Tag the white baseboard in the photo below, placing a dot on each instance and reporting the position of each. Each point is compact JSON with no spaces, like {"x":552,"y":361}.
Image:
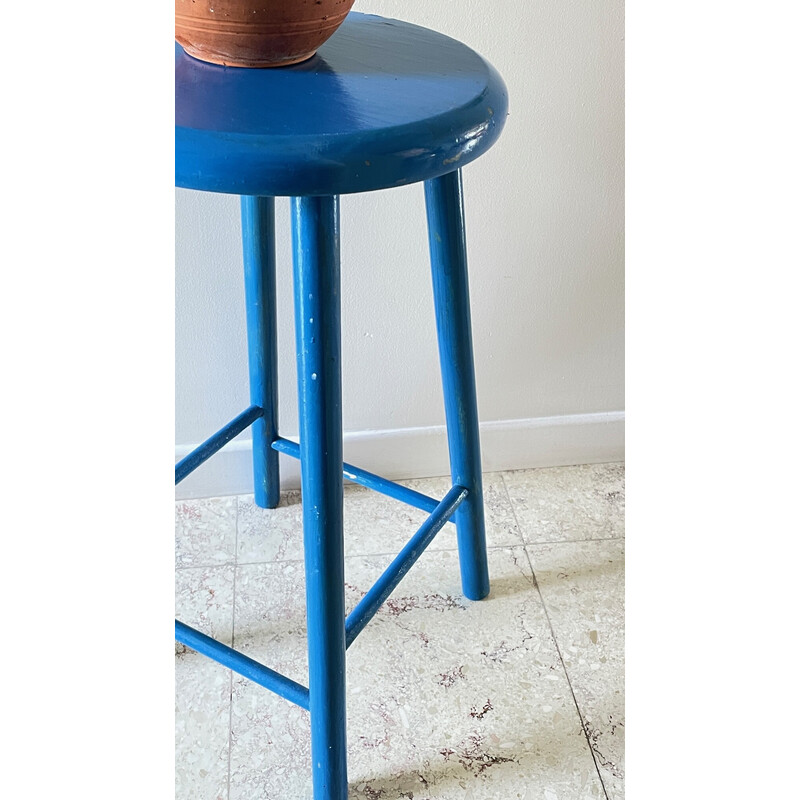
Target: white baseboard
{"x":422,"y":452}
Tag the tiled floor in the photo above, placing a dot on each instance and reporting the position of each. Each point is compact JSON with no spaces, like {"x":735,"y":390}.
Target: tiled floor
{"x":520,"y":695}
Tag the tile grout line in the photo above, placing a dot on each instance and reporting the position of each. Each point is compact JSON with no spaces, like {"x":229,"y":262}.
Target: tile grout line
{"x":558,"y":649}
{"x":393,"y":554}
{"x":566,"y":674}
{"x":511,"y":507}
{"x":233,"y":642}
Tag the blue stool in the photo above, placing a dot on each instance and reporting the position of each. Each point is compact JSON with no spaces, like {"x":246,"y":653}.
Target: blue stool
{"x":382,"y":104}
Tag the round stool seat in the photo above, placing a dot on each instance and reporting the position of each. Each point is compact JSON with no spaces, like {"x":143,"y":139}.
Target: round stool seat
{"x":383,"y":103}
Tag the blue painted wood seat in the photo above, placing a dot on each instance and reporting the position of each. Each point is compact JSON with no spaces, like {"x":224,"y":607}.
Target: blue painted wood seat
{"x":382,"y":104}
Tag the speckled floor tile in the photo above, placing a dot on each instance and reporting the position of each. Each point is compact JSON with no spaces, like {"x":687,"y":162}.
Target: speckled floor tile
{"x":373,"y":522}
{"x":205,"y":532}
{"x":270,"y":627}
{"x":203,"y":599}
{"x":568,"y":503}
{"x":583,"y":587}
{"x":202,"y":717}
{"x":270,"y":534}
{"x":446,"y":698}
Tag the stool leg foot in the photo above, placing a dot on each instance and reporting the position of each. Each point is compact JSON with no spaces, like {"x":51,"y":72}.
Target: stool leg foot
{"x":315,"y":237}
{"x":445,"y":208}
{"x":258,"y":240}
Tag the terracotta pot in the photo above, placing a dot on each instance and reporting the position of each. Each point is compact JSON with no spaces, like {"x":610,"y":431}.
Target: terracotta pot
{"x":256,"y":33}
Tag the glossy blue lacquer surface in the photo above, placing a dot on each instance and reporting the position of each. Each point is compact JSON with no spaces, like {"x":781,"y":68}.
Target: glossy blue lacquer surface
{"x":315,"y":238}
{"x":448,"y":245}
{"x":397,"y":570}
{"x":368,"y":479}
{"x":216,"y":442}
{"x":244,"y":665}
{"x":383,"y":103}
{"x":258,"y":244}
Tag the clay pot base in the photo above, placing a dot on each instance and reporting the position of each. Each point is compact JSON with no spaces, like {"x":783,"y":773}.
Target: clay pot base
{"x":227,"y":62}
{"x":256,"y":33}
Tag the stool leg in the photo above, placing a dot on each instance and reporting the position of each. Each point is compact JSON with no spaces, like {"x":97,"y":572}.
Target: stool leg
{"x":315,"y":237}
{"x":258,"y":244}
{"x":445,"y":207}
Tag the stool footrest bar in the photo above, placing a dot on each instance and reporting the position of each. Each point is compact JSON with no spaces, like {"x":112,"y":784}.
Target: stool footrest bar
{"x":210,"y":446}
{"x":369,"y":480}
{"x":238,"y":662}
{"x":396,"y":571}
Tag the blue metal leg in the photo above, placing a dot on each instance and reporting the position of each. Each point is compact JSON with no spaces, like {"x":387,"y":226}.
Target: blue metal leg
{"x":258,"y":240}
{"x":445,"y":207}
{"x":315,"y":237}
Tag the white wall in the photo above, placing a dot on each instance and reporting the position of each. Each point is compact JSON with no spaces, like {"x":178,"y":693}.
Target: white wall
{"x":545,"y":236}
